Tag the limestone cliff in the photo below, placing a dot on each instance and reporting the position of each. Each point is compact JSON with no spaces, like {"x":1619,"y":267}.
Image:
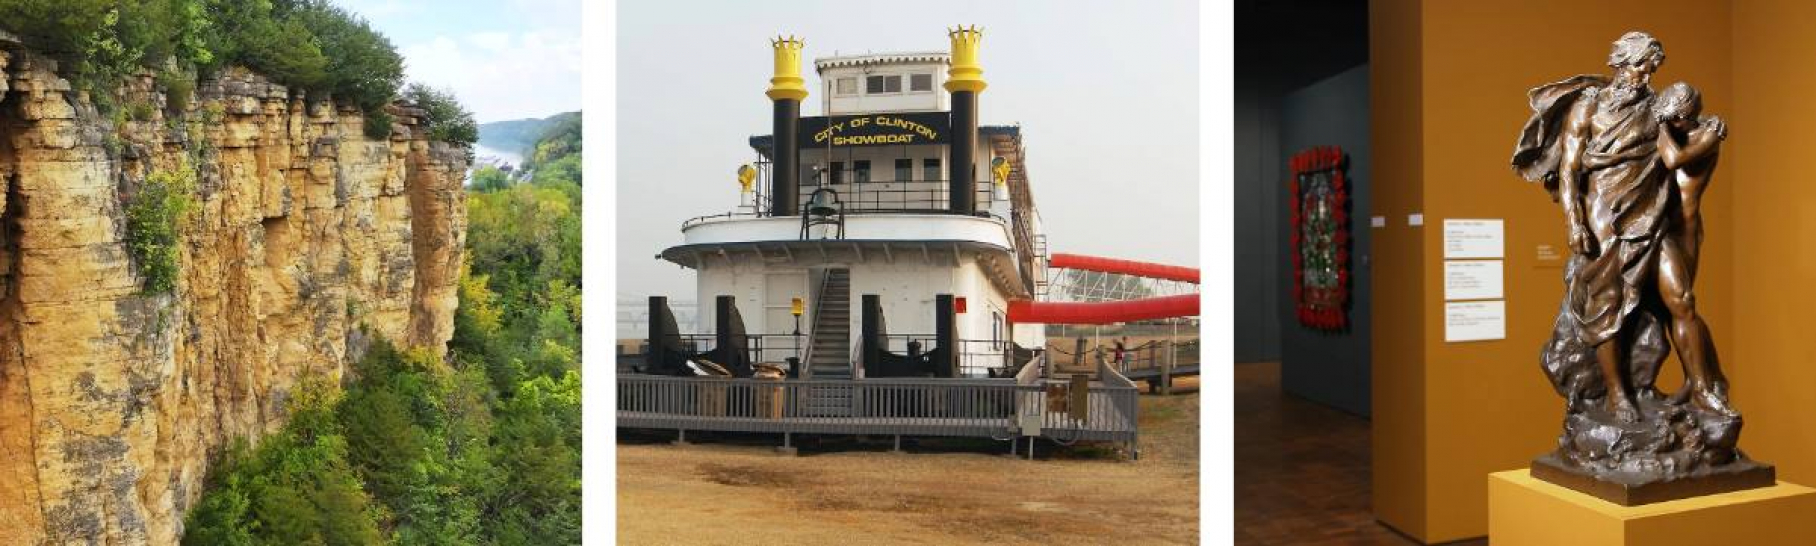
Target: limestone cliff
{"x":112,"y":402}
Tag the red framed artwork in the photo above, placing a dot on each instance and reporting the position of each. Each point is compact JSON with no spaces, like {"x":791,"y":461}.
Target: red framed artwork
{"x":1320,"y":237}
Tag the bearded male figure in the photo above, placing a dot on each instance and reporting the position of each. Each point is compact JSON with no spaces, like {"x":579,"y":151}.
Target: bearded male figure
{"x":1594,"y":141}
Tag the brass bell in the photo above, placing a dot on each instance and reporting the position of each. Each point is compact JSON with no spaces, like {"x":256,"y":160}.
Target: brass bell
{"x":823,"y":204}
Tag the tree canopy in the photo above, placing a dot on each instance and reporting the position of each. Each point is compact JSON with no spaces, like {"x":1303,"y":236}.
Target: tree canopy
{"x":312,"y":46}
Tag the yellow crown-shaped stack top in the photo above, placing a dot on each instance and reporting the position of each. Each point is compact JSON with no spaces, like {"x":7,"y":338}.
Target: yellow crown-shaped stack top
{"x":787,"y":83}
{"x":965,"y":74}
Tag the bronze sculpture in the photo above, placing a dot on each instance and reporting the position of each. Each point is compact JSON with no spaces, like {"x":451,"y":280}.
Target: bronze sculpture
{"x":1629,"y":167}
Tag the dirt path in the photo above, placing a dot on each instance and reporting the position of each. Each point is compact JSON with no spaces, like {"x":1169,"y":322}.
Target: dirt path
{"x":735,"y":490}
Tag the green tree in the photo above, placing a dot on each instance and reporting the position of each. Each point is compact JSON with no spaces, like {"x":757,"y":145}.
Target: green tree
{"x":423,"y":458}
{"x":57,"y":27}
{"x":295,"y":488}
{"x":249,"y":33}
{"x":489,"y":179}
{"x":363,"y":69}
{"x":446,"y":119}
{"x":104,"y":40}
{"x":539,"y":426}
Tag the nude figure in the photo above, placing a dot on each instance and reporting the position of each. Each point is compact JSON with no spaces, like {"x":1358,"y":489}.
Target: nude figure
{"x":1689,"y":147}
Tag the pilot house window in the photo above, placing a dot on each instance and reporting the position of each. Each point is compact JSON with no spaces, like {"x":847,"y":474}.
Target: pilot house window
{"x":920,"y":82}
{"x":846,"y":87}
{"x":882,"y":84}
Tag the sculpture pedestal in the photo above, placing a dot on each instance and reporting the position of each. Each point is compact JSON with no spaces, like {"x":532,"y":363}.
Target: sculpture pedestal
{"x":1631,"y":490}
{"x":1526,"y":511}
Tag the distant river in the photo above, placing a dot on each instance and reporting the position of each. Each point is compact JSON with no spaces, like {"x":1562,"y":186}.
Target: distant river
{"x":484,"y":155}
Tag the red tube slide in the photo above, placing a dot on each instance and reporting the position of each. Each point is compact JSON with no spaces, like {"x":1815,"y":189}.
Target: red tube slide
{"x":1050,"y":312}
{"x":1125,"y":267}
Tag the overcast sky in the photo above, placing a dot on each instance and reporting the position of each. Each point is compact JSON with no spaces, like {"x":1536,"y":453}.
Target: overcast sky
{"x":504,"y":59}
{"x":1106,"y":93}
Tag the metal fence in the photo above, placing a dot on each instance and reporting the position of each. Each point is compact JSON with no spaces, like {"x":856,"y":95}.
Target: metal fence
{"x":917,"y":196}
{"x":875,"y":197}
{"x":1151,"y":354}
{"x":1181,"y":329}
{"x":1001,"y":409}
{"x":773,"y":348}
{"x":976,"y":357}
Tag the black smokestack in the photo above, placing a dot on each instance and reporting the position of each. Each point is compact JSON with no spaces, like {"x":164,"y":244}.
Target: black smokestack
{"x":962,"y":173}
{"x":785,"y":182}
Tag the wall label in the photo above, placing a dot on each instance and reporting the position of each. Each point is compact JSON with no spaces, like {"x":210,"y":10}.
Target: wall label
{"x":1475,"y":321}
{"x":1472,"y":280}
{"x":1473,"y":239}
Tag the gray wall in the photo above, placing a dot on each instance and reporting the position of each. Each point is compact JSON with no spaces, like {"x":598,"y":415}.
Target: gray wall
{"x":1327,"y":367}
{"x":1258,"y":215}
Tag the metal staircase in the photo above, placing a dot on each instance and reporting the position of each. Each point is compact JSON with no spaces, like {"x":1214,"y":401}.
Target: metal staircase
{"x":829,"y":348}
{"x":829,"y":355}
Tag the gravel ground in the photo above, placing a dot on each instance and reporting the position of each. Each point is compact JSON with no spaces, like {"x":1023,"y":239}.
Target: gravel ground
{"x":734,"y":489}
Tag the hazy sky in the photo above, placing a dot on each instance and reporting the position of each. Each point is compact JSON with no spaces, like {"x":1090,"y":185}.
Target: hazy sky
{"x":1106,"y":93}
{"x":505,"y":59}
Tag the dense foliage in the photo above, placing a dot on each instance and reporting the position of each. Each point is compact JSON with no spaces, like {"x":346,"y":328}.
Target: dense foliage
{"x":482,"y":447}
{"x":296,"y":488}
{"x":155,"y":216}
{"x":489,"y":178}
{"x":444,"y":117}
{"x":559,"y":142}
{"x":310,"y":45}
{"x":520,"y":315}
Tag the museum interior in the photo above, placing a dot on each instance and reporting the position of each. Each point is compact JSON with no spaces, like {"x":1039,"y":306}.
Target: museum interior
{"x":1398,"y":282}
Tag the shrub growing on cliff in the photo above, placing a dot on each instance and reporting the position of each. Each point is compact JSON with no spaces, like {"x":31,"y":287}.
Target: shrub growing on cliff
{"x":378,"y":125}
{"x":178,"y":88}
{"x":155,"y":215}
{"x":446,"y":119}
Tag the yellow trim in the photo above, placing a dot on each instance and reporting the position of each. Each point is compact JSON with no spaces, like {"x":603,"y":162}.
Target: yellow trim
{"x":965,"y":74}
{"x":787,"y":83}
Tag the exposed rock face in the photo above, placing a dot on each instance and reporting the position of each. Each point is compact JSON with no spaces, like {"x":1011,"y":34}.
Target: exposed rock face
{"x":112,"y":401}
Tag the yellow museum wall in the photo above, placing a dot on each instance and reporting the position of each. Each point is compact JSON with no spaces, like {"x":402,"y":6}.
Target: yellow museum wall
{"x":1398,"y":345}
{"x":1459,"y":411}
{"x":1772,"y":360}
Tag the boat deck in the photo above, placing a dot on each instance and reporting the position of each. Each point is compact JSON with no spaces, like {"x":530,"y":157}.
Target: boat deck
{"x":994,"y":428}
{"x":999,"y":409}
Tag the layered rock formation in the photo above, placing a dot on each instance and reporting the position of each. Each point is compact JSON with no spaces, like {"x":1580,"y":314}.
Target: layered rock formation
{"x":113,"y":401}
